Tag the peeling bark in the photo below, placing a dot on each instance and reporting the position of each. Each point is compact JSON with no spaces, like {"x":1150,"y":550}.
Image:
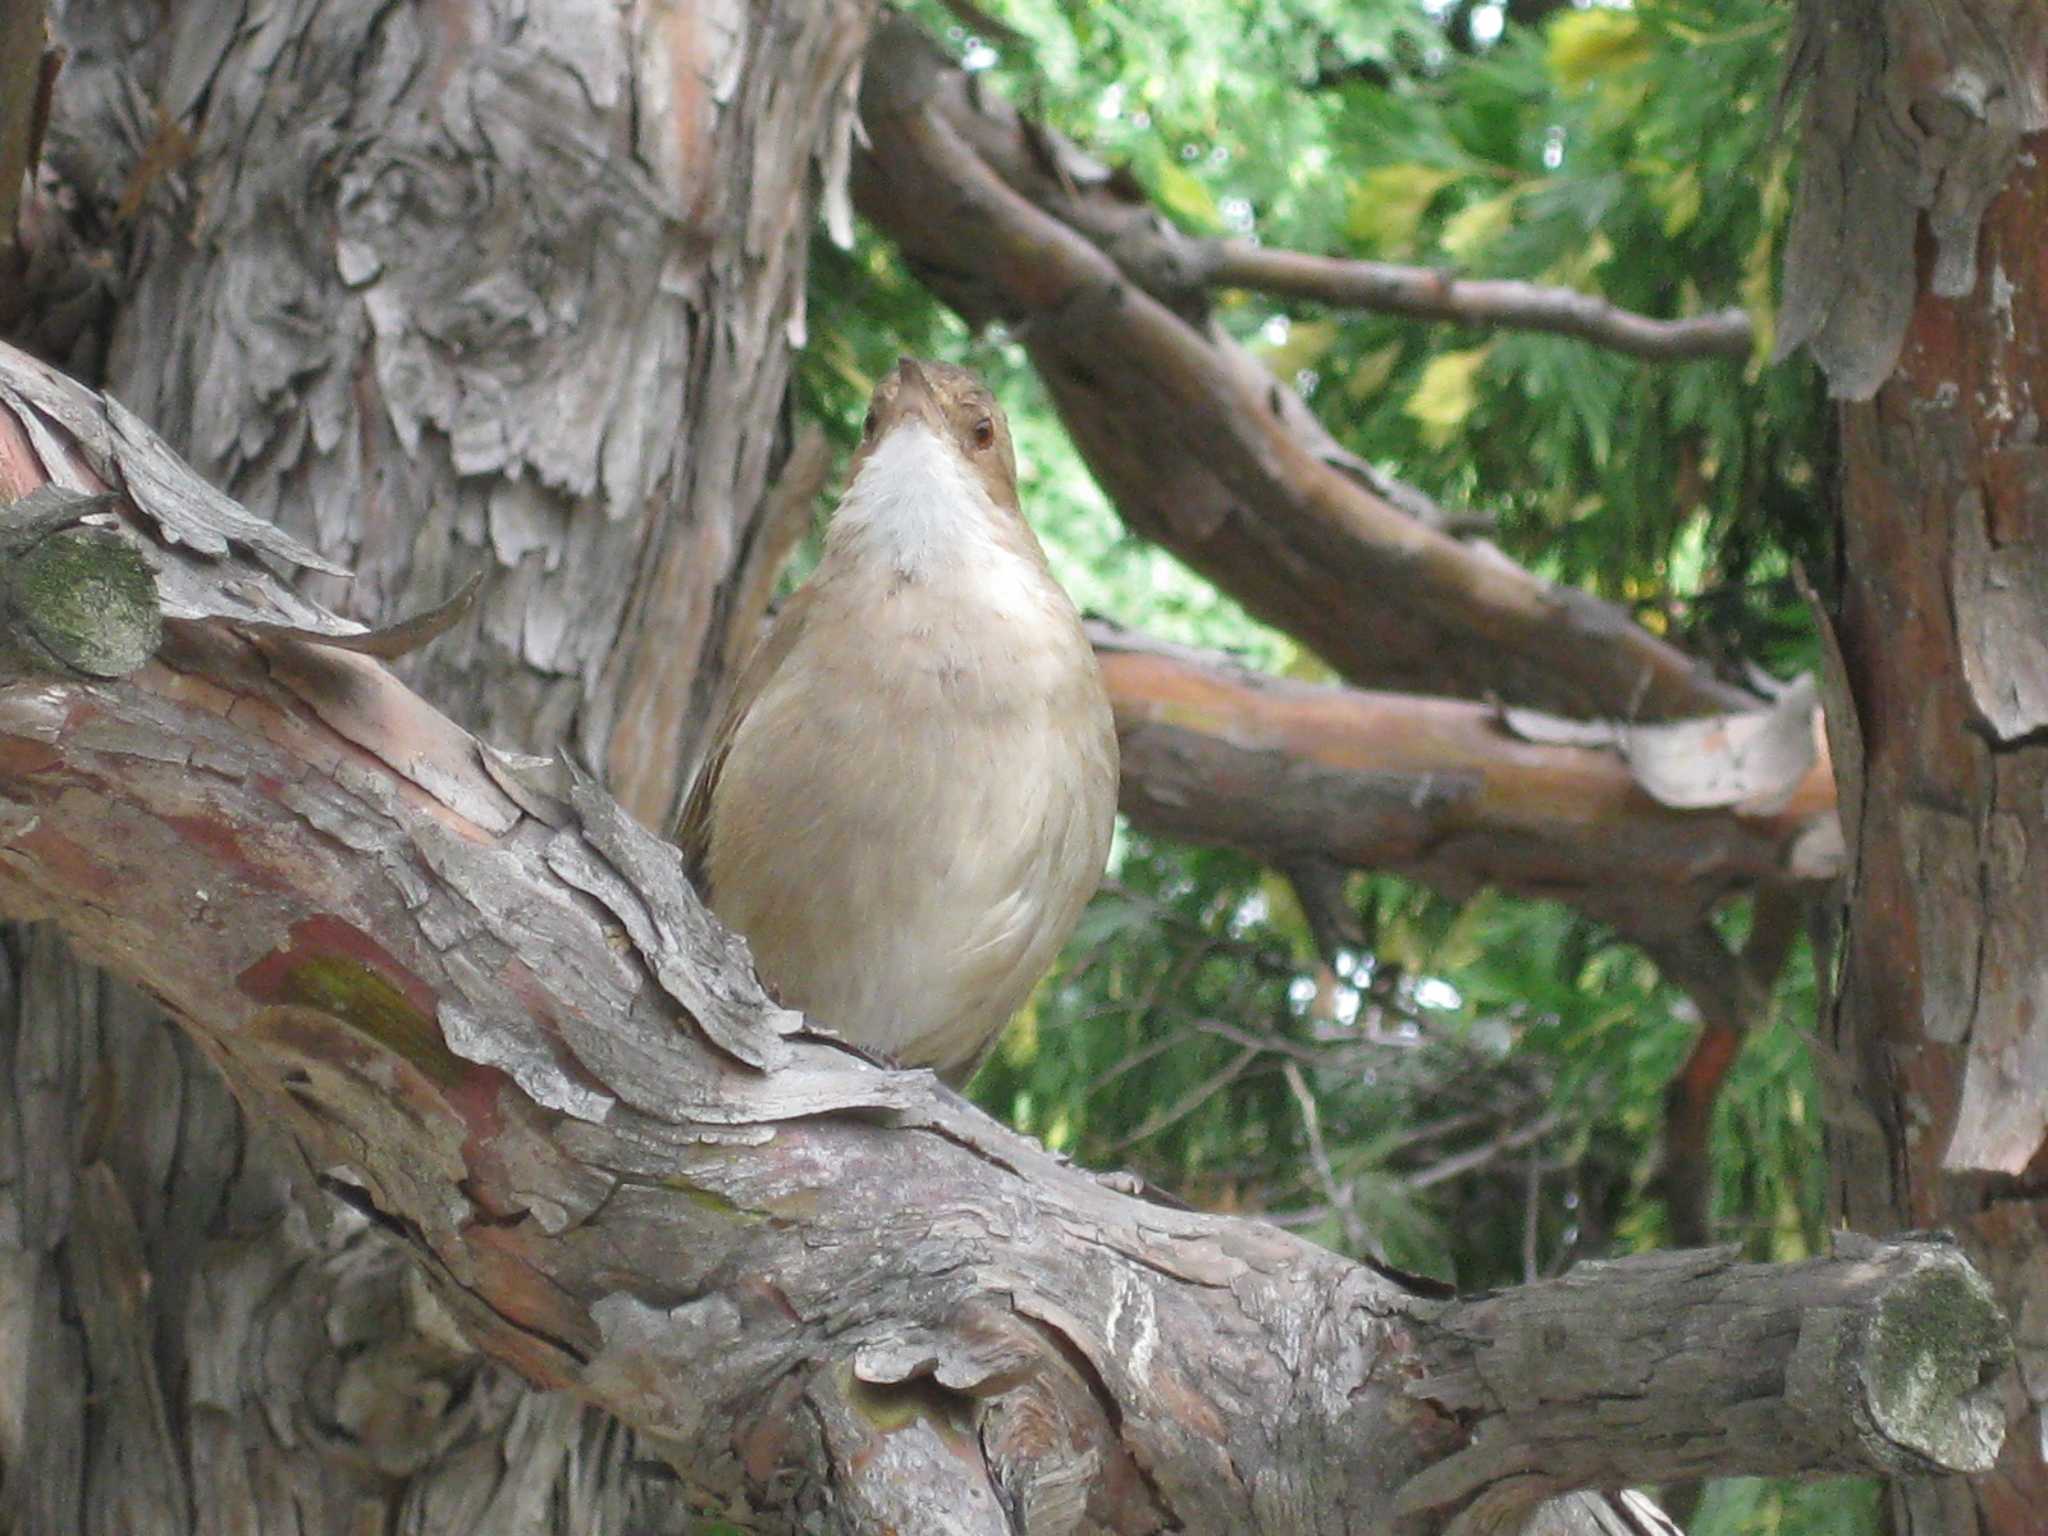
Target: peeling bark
{"x":477,"y":993}
{"x":1442,"y":791}
{"x":1915,"y":268}
{"x":1915,"y":108}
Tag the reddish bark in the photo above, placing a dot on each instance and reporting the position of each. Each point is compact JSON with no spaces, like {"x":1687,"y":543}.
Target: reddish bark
{"x":1941,"y":624}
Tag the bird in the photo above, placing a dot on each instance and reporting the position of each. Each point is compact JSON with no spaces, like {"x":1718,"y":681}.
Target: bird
{"x":910,"y":795}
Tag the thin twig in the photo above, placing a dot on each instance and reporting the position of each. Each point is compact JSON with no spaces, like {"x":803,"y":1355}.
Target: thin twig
{"x":1190,"y":1101}
{"x":1312,"y":1126}
{"x":1532,"y":1206}
{"x":1426,"y":293}
{"x":1478,"y":1157}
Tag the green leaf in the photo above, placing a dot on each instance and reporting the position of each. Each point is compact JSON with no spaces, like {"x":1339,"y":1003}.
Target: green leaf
{"x":1446,"y":394}
{"x":1187,"y":195}
{"x":1369,"y":373}
{"x":1472,"y":228}
{"x":1388,"y":202}
{"x":1585,"y":45}
{"x":1308,"y":341}
{"x":1679,"y":196}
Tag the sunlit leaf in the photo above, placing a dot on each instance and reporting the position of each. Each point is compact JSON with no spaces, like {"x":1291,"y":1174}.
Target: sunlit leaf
{"x":1679,"y":196}
{"x":1020,"y":1043}
{"x":1285,"y":915}
{"x":1370,"y":372}
{"x":1308,"y":341}
{"x":1388,"y":202}
{"x":1446,"y":394}
{"x":1188,"y":195}
{"x":1472,"y":228}
{"x":1585,"y":45}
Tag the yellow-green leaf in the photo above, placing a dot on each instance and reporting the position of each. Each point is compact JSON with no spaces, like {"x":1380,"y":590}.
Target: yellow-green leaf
{"x":1020,"y":1044}
{"x":1679,"y":196}
{"x":1285,"y":915}
{"x":1370,"y":373}
{"x":1465,"y":941}
{"x":1757,"y":298}
{"x":1471,"y":229}
{"x":1388,"y":203}
{"x":1584,"y":45}
{"x":1304,"y":665}
{"x":1307,"y":341}
{"x":1185,"y":194}
{"x":1759,"y":265}
{"x":838,"y":354}
{"x":1580,"y":268}
{"x":1446,"y":393}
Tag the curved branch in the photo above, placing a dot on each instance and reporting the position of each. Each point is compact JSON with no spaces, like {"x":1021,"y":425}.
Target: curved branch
{"x":1732,"y":991}
{"x":1426,"y":293}
{"x":476,"y":990}
{"x":1201,"y":448}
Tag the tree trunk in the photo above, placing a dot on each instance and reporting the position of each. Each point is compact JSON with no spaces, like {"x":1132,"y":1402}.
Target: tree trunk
{"x":1936,"y":332}
{"x":440,"y":290}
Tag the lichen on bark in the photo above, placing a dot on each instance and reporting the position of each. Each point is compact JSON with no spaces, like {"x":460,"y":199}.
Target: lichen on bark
{"x":77,"y":598}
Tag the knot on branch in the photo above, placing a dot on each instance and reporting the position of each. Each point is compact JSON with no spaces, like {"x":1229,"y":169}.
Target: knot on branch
{"x":76,"y":596}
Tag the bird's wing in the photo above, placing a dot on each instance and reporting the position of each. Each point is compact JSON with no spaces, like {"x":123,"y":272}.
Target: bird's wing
{"x":692,"y":831}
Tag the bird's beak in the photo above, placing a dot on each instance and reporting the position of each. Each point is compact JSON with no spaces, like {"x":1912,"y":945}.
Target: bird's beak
{"x":906,"y":394}
{"x":910,"y":379}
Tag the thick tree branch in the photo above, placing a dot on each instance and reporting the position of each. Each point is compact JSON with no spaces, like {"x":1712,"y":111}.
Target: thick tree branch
{"x":1712,"y":1349}
{"x":1436,"y":789}
{"x":1202,"y":449}
{"x":1426,"y":293}
{"x":475,"y":989}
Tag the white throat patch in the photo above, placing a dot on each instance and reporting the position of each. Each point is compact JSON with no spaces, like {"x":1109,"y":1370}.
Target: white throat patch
{"x":917,"y":505}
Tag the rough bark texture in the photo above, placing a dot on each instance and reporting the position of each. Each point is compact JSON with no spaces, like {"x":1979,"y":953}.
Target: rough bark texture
{"x":1914,"y":107}
{"x":507,"y":287}
{"x":484,"y":999}
{"x":1203,"y":450}
{"x":1693,"y":1349}
{"x":1940,"y":632}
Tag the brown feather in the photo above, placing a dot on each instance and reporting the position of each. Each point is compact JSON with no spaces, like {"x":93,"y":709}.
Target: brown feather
{"x":692,"y":832}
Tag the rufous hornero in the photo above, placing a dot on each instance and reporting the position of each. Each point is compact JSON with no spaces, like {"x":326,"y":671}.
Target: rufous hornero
{"x":909,"y":798}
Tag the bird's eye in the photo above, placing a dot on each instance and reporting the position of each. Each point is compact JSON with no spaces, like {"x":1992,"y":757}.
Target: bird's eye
{"x":867,"y":428}
{"x":985,"y":432}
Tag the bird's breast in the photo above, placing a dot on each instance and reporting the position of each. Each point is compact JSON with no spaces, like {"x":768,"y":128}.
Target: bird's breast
{"x":917,"y":805}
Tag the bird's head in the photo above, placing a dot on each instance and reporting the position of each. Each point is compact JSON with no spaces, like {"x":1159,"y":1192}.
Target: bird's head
{"x":935,"y":472}
{"x":955,"y":407}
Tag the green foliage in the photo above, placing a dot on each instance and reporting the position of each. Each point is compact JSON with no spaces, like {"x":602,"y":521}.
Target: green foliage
{"x":1753,"y":1506}
{"x":1482,"y":1082}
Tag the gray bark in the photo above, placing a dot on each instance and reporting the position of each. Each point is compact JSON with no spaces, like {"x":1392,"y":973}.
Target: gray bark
{"x":481,"y":996}
{"x":493,"y":287}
